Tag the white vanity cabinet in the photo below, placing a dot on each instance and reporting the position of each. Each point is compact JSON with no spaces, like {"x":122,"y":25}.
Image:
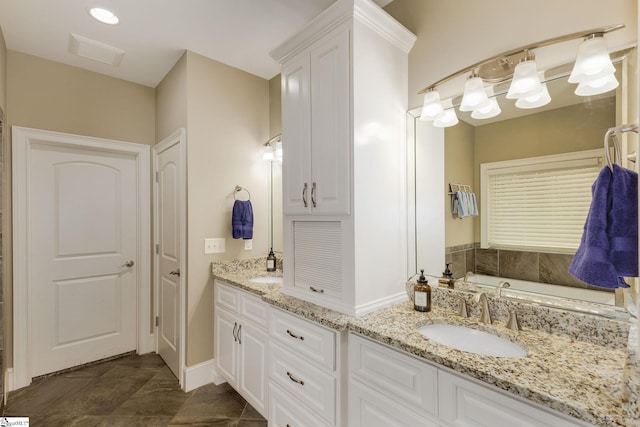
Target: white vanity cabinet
{"x":389,"y":387}
{"x":344,"y":99}
{"x":305,"y":373}
{"x":242,"y":343}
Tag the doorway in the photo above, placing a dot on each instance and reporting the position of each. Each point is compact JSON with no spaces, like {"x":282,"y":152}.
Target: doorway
{"x":81,"y":250}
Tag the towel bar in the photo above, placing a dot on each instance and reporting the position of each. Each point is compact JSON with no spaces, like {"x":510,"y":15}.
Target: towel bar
{"x":239,"y":189}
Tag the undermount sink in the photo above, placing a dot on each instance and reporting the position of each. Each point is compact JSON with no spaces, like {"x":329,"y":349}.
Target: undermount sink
{"x":472,"y":340}
{"x":267,"y":280}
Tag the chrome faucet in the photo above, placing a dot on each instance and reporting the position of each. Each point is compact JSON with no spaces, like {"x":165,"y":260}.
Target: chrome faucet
{"x":462,"y":307}
{"x":485,"y":314}
{"x":502,"y":284}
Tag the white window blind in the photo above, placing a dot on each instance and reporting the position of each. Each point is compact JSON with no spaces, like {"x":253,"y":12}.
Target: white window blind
{"x":539,"y":203}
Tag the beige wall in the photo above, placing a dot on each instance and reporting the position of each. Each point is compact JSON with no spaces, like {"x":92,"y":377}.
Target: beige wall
{"x":3,"y":73}
{"x":49,"y":95}
{"x":228,"y":121}
{"x":171,"y":101}
{"x":454,"y":34}
{"x":275,"y":128}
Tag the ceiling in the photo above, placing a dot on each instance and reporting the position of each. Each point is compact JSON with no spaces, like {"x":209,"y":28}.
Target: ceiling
{"x":154,"y":33}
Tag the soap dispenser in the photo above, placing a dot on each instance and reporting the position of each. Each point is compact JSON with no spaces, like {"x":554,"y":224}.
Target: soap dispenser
{"x":271,"y":261}
{"x":422,"y":294}
{"x":447,"y":277}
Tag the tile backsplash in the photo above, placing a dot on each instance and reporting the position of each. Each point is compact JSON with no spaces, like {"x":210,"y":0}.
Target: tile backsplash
{"x":524,"y":265}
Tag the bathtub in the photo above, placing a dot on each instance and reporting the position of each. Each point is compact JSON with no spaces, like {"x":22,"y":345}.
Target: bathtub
{"x":583,"y":300}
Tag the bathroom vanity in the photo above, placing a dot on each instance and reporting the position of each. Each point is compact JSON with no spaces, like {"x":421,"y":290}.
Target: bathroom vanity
{"x":379,"y":370}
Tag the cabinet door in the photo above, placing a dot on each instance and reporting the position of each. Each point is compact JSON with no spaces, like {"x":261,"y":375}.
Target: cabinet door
{"x":225,"y":329}
{"x":330,"y":124}
{"x":253,"y":344}
{"x":296,"y":135}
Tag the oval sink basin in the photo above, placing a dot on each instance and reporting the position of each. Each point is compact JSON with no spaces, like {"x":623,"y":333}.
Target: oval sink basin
{"x":268,"y":280}
{"x":472,"y":340}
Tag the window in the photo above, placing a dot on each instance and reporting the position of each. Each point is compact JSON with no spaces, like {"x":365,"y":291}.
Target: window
{"x":537,"y":203}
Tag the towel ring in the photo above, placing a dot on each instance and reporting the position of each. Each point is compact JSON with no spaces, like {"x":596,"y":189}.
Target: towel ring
{"x":612,"y":134}
{"x":238,"y":189}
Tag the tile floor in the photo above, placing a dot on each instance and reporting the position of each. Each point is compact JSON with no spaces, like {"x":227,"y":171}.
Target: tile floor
{"x":130,"y":391}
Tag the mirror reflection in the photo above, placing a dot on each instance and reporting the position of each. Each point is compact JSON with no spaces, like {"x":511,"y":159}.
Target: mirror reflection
{"x":569,"y":124}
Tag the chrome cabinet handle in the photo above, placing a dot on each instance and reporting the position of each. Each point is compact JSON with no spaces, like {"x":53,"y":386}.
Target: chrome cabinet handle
{"x":304,"y":195}
{"x":292,"y":335}
{"x":129,"y":263}
{"x":294,"y":379}
{"x":320,"y":291}
{"x":239,"y":329}
{"x":313,"y":194}
{"x":235,"y":337}
{"x":175,"y":272}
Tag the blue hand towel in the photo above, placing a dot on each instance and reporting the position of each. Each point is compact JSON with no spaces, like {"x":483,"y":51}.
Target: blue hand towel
{"x":242,"y":220}
{"x":608,"y":249}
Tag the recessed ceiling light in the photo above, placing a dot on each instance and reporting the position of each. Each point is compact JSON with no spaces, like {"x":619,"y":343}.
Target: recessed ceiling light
{"x":104,"y":15}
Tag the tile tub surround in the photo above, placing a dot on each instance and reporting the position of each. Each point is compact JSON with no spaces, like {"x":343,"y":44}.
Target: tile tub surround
{"x":599,"y":384}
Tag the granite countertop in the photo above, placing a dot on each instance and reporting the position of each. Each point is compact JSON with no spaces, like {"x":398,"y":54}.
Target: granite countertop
{"x":598,"y":384}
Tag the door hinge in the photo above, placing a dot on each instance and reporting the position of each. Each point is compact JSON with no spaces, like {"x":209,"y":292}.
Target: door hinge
{"x":157,"y":248}
{"x":157,"y":321}
{"x":157,"y":179}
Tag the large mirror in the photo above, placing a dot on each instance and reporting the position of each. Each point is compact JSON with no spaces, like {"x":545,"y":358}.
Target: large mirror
{"x":440,"y":157}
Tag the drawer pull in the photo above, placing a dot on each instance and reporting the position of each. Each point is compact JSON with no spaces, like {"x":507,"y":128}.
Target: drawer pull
{"x":239,"y":339}
{"x":292,"y":335}
{"x":320,"y":291}
{"x":235,"y":326}
{"x":294,"y":379}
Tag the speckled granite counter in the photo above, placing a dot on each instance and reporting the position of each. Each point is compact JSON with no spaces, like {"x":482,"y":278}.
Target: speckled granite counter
{"x":594,"y":383}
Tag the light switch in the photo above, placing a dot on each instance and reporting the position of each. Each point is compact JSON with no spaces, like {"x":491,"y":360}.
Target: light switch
{"x":248,"y":245}
{"x":214,"y":245}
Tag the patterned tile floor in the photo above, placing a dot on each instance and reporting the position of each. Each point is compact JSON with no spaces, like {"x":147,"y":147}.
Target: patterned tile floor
{"x":130,"y":391}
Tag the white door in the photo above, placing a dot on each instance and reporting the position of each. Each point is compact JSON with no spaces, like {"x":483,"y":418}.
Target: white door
{"x":169,"y":247}
{"x":82,"y":240}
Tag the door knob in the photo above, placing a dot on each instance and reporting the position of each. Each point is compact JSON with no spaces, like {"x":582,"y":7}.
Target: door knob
{"x":128,"y":263}
{"x":175,"y":272}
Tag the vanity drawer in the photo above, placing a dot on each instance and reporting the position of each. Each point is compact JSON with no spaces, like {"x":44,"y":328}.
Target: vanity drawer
{"x":314,"y":388}
{"x":310,"y":341}
{"x":253,"y":308}
{"x":398,"y":376}
{"x":226,"y":296}
{"x":284,"y":411}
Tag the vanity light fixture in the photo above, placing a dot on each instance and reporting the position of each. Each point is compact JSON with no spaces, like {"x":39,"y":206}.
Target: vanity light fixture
{"x":103,"y":15}
{"x":272,"y":149}
{"x":432,"y":106}
{"x":474,"y":96}
{"x":593,"y":71}
{"x":534,"y":101}
{"x":525,"y":79}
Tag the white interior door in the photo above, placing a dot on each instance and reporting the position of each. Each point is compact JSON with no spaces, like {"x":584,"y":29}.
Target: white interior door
{"x":83,"y":221}
{"x":81,"y":251}
{"x":170,"y":278}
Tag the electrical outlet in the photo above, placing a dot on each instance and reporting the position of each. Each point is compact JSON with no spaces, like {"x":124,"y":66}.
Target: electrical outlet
{"x":214,"y":245}
{"x":248,"y":245}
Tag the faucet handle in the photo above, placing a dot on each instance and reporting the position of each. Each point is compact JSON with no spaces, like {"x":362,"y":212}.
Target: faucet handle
{"x":514,"y":322}
{"x":462,"y":307}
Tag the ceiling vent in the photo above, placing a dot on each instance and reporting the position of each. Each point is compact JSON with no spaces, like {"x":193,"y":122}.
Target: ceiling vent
{"x":92,"y":49}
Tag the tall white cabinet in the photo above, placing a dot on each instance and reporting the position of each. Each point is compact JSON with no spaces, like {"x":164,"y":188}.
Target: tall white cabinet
{"x":344,"y":102}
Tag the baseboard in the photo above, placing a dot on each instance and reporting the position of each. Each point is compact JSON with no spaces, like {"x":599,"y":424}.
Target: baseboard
{"x":201,"y":374}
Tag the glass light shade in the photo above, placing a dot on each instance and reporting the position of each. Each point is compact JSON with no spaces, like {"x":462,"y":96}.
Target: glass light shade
{"x":446,"y":119}
{"x":279,"y":151}
{"x":525,"y":81}
{"x":491,"y":110}
{"x":267,"y":153}
{"x":593,"y":61}
{"x":597,"y":86}
{"x":535,"y":101}
{"x":432,"y":106}
{"x":474,"y":95}
{"x":103,"y":15}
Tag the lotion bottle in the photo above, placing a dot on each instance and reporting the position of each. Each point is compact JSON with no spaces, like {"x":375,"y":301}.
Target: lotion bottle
{"x":422,"y":294}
